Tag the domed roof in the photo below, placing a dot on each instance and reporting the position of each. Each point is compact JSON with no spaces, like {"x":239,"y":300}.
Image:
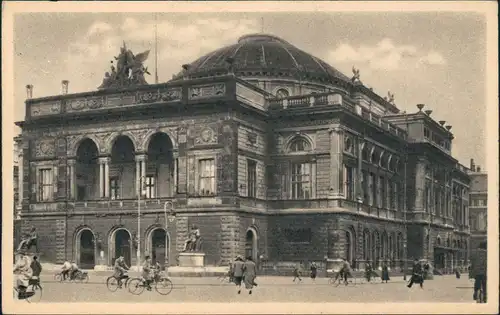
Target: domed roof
{"x":263,"y":55}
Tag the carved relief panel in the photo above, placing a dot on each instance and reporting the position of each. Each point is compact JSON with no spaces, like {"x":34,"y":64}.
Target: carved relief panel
{"x":45,"y":147}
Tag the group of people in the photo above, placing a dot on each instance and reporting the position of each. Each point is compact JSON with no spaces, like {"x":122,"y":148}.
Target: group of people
{"x":69,"y":269}
{"x":25,"y":272}
{"x":243,"y":271}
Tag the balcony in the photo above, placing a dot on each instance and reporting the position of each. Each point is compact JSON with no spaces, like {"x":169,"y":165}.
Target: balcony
{"x":335,"y":99}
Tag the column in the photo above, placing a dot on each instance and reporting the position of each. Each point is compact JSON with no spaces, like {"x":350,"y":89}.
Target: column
{"x":101,"y":177}
{"x":174,"y":190}
{"x":106,"y":178}
{"x":359,"y":181}
{"x":140,"y":171}
{"x":313,"y":178}
{"x":71,"y":179}
{"x":336,"y":163}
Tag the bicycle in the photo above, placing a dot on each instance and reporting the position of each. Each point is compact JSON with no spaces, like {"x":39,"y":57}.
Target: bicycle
{"x":81,"y":276}
{"x":162,"y":285}
{"x":33,"y":287}
{"x":337,"y":280}
{"x":112,"y":282}
{"x":226,"y":277}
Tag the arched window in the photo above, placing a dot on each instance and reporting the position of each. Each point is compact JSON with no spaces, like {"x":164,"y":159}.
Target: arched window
{"x":282,"y":93}
{"x":299,"y":145}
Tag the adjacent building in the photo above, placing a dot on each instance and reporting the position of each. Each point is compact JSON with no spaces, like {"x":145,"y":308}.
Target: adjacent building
{"x":268,"y":150}
{"x":478,"y":205}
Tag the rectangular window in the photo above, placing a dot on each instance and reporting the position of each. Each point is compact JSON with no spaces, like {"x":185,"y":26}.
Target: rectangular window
{"x":349,"y":184}
{"x":426,"y":133}
{"x":383,"y":192}
{"x":114,"y":188}
{"x":46,"y":184}
{"x":252,"y":178}
{"x":150,"y":187}
{"x":298,"y":235}
{"x":391,"y":195}
{"x":301,"y":181}
{"x":366,"y":192}
{"x":374,"y":195}
{"x":206,"y":179}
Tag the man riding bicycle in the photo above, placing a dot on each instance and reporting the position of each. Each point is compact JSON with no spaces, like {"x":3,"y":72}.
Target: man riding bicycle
{"x":345,"y":271}
{"x":24,"y":273}
{"x":120,"y":270}
{"x":73,"y":270}
{"x":478,"y":270}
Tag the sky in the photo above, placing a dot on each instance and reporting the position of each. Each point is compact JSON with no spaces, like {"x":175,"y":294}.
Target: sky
{"x":438,"y":59}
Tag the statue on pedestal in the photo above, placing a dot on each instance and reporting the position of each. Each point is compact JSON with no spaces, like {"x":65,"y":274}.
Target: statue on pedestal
{"x":29,"y":240}
{"x":193,"y":243}
{"x":129,"y":70}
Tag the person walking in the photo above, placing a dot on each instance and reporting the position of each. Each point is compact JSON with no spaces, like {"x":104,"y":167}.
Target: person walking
{"x":297,"y":272}
{"x":238,"y":272}
{"x":385,"y":273}
{"x":478,"y":270}
{"x":314,"y":271}
{"x":417,"y":276}
{"x":36,"y":267}
{"x":249,"y":274}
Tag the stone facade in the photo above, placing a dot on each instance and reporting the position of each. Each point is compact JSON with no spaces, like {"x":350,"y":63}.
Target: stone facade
{"x":333,"y":174}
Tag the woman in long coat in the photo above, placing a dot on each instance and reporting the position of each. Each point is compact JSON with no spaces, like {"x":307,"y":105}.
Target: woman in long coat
{"x":385,"y":273}
{"x":249,"y":274}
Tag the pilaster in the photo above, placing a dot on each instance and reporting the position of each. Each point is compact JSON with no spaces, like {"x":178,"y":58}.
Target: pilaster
{"x":336,"y":162}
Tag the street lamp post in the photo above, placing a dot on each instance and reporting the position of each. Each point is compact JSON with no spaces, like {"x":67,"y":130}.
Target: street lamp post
{"x":168,"y":207}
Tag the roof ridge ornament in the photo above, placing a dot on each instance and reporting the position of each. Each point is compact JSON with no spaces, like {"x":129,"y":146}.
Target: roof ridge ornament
{"x":356,"y":76}
{"x":129,"y":70}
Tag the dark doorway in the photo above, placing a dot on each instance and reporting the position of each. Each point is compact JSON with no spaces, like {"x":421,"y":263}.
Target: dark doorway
{"x":159,"y":246}
{"x":348,"y":244}
{"x":439,"y":259}
{"x":122,"y":246}
{"x":87,"y":250}
{"x":251,"y":245}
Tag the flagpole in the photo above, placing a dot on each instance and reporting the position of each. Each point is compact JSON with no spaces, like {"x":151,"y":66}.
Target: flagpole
{"x":156,"y":48}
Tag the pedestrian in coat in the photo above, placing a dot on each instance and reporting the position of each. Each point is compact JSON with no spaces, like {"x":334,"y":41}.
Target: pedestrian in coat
{"x":238,"y":272}
{"x":249,"y":274}
{"x":314,"y":271}
{"x":385,"y":273}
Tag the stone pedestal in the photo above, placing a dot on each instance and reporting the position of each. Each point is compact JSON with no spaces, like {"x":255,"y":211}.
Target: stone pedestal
{"x":191,"y":259}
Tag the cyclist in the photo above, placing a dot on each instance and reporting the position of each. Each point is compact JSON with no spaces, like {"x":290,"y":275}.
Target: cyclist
{"x":478,"y":270}
{"x":120,"y":270}
{"x":146,"y":272}
{"x":24,"y":273}
{"x":66,"y":268}
{"x":345,"y":271}
{"x":74,"y":270}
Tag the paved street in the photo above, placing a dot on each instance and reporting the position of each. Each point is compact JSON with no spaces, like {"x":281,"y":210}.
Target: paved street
{"x":270,"y":289}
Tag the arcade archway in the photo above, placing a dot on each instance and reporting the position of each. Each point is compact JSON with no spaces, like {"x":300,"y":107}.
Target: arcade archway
{"x":121,"y":245}
{"x":85,"y":249}
{"x":158,"y":245}
{"x":251,"y":249}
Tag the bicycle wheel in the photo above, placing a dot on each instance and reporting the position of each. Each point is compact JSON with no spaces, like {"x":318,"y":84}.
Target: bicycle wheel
{"x":84,"y":278}
{"x":37,"y":296}
{"x":337,"y":282}
{"x":331,"y":280}
{"x":135,"y":286}
{"x":112,"y":284}
{"x":58,"y":277}
{"x":164,"y":286}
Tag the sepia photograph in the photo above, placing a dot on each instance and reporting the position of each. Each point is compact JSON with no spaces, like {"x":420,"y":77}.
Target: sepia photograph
{"x":342,"y":157}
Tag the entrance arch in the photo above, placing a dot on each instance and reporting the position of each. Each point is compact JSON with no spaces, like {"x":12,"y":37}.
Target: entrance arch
{"x":251,"y":248}
{"x":120,"y":245}
{"x":85,"y":249}
{"x":159,"y":245}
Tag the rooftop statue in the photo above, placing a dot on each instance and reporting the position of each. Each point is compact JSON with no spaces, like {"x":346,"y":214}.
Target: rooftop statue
{"x":356,"y":75}
{"x":129,"y":70}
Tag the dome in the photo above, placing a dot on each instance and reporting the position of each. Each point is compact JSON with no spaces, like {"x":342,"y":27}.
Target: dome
{"x":258,"y":55}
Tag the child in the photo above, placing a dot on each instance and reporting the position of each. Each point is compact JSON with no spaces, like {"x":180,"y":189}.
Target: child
{"x":297,"y":272}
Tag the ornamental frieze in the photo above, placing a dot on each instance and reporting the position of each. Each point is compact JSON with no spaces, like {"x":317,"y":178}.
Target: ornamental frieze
{"x":85,"y":104}
{"x":45,"y":109}
{"x":205,"y":91}
{"x":45,"y":148}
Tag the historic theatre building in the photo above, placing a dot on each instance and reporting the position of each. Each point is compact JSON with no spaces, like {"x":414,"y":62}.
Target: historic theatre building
{"x":266,"y":149}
